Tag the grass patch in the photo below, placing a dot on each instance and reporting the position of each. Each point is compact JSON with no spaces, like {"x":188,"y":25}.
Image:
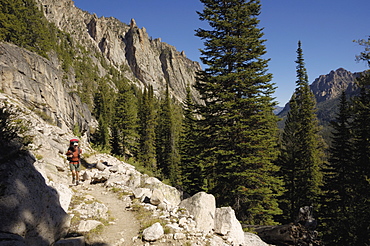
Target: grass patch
{"x":119,"y":192}
{"x":145,"y":217}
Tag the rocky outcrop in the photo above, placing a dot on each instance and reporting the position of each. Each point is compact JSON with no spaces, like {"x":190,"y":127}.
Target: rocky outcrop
{"x":331,"y":85}
{"x":143,"y":60}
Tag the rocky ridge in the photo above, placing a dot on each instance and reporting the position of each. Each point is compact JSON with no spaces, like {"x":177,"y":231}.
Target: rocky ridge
{"x":145,"y":61}
{"x":330,"y":86}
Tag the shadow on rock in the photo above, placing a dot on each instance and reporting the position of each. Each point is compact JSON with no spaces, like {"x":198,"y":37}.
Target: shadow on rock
{"x":29,"y":208}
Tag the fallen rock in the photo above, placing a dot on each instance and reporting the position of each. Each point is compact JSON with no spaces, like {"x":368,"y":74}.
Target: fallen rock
{"x":88,"y":225}
{"x":157,"y":197}
{"x":171,"y":194}
{"x":153,"y":233}
{"x":65,"y":194}
{"x":93,"y":210}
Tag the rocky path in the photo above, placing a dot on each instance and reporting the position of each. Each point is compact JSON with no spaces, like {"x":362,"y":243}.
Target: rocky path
{"x":125,"y":226}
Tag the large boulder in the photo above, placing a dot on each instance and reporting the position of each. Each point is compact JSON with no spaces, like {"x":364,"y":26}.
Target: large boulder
{"x":29,"y":208}
{"x":227,"y":224}
{"x":64,"y":193}
{"x":170,"y":194}
{"x":203,"y":207}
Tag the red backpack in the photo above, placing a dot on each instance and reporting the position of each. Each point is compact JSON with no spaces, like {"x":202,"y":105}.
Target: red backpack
{"x":75,"y":156}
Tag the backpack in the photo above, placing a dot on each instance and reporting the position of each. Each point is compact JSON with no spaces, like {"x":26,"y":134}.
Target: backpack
{"x":71,"y":144}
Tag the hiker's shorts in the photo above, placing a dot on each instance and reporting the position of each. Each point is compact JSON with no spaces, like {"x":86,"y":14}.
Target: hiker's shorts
{"x":74,"y":167}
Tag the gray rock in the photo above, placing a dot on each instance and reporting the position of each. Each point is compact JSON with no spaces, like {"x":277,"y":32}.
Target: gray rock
{"x":100,"y":166}
{"x":153,"y":233}
{"x":171,"y":194}
{"x":74,"y":241}
{"x":251,"y":239}
{"x":226,"y":223}
{"x":203,"y":207}
{"x":92,"y":210}
{"x":88,"y":225}
{"x":8,"y":239}
{"x":65,"y":194}
{"x":157,"y":197}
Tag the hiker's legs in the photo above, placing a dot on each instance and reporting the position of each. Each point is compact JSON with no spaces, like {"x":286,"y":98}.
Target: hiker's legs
{"x":73,"y":176}
{"x":77,"y":177}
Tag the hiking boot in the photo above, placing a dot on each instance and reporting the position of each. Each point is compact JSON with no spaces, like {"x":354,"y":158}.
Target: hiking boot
{"x":73,"y":180}
{"x":77,"y":183}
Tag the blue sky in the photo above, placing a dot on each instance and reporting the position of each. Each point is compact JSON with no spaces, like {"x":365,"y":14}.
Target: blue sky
{"x":326,"y":29}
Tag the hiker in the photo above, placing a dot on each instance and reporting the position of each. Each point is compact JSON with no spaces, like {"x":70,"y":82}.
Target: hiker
{"x":74,"y":158}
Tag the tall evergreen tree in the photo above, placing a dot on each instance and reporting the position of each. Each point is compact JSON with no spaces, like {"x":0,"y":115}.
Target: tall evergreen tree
{"x":192,"y":169}
{"x":125,"y":122}
{"x":167,"y":141}
{"x":147,"y":116}
{"x":302,"y":147}
{"x":103,"y":111}
{"x":339,"y":177}
{"x":361,"y":185}
{"x":240,"y":128}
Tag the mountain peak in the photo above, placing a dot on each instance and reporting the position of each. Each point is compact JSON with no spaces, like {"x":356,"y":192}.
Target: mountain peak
{"x":329,"y":86}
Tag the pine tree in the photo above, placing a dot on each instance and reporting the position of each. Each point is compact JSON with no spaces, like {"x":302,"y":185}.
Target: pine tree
{"x":361,"y":184}
{"x":192,"y":170}
{"x":339,"y":178}
{"x":103,"y":111}
{"x":240,"y":130}
{"x":167,"y":141}
{"x":302,"y":148}
{"x":23,"y":24}
{"x":147,"y":116}
{"x":125,"y":122}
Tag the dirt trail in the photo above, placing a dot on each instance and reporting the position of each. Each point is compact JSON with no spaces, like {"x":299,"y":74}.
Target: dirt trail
{"x":125,"y":226}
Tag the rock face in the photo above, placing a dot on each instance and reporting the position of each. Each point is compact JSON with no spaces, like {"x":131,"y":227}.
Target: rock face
{"x":330,"y":86}
{"x":45,"y":87}
{"x":127,"y":47}
{"x":37,"y":83}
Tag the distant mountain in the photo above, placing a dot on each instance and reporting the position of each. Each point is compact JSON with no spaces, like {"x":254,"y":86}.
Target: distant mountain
{"x":278,"y":109}
{"x":327,"y":89}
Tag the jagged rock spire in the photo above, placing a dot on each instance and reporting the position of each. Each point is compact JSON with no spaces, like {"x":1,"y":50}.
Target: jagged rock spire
{"x":133,"y":23}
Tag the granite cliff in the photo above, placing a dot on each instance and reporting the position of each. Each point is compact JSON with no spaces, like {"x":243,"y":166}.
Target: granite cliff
{"x":125,"y":46}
